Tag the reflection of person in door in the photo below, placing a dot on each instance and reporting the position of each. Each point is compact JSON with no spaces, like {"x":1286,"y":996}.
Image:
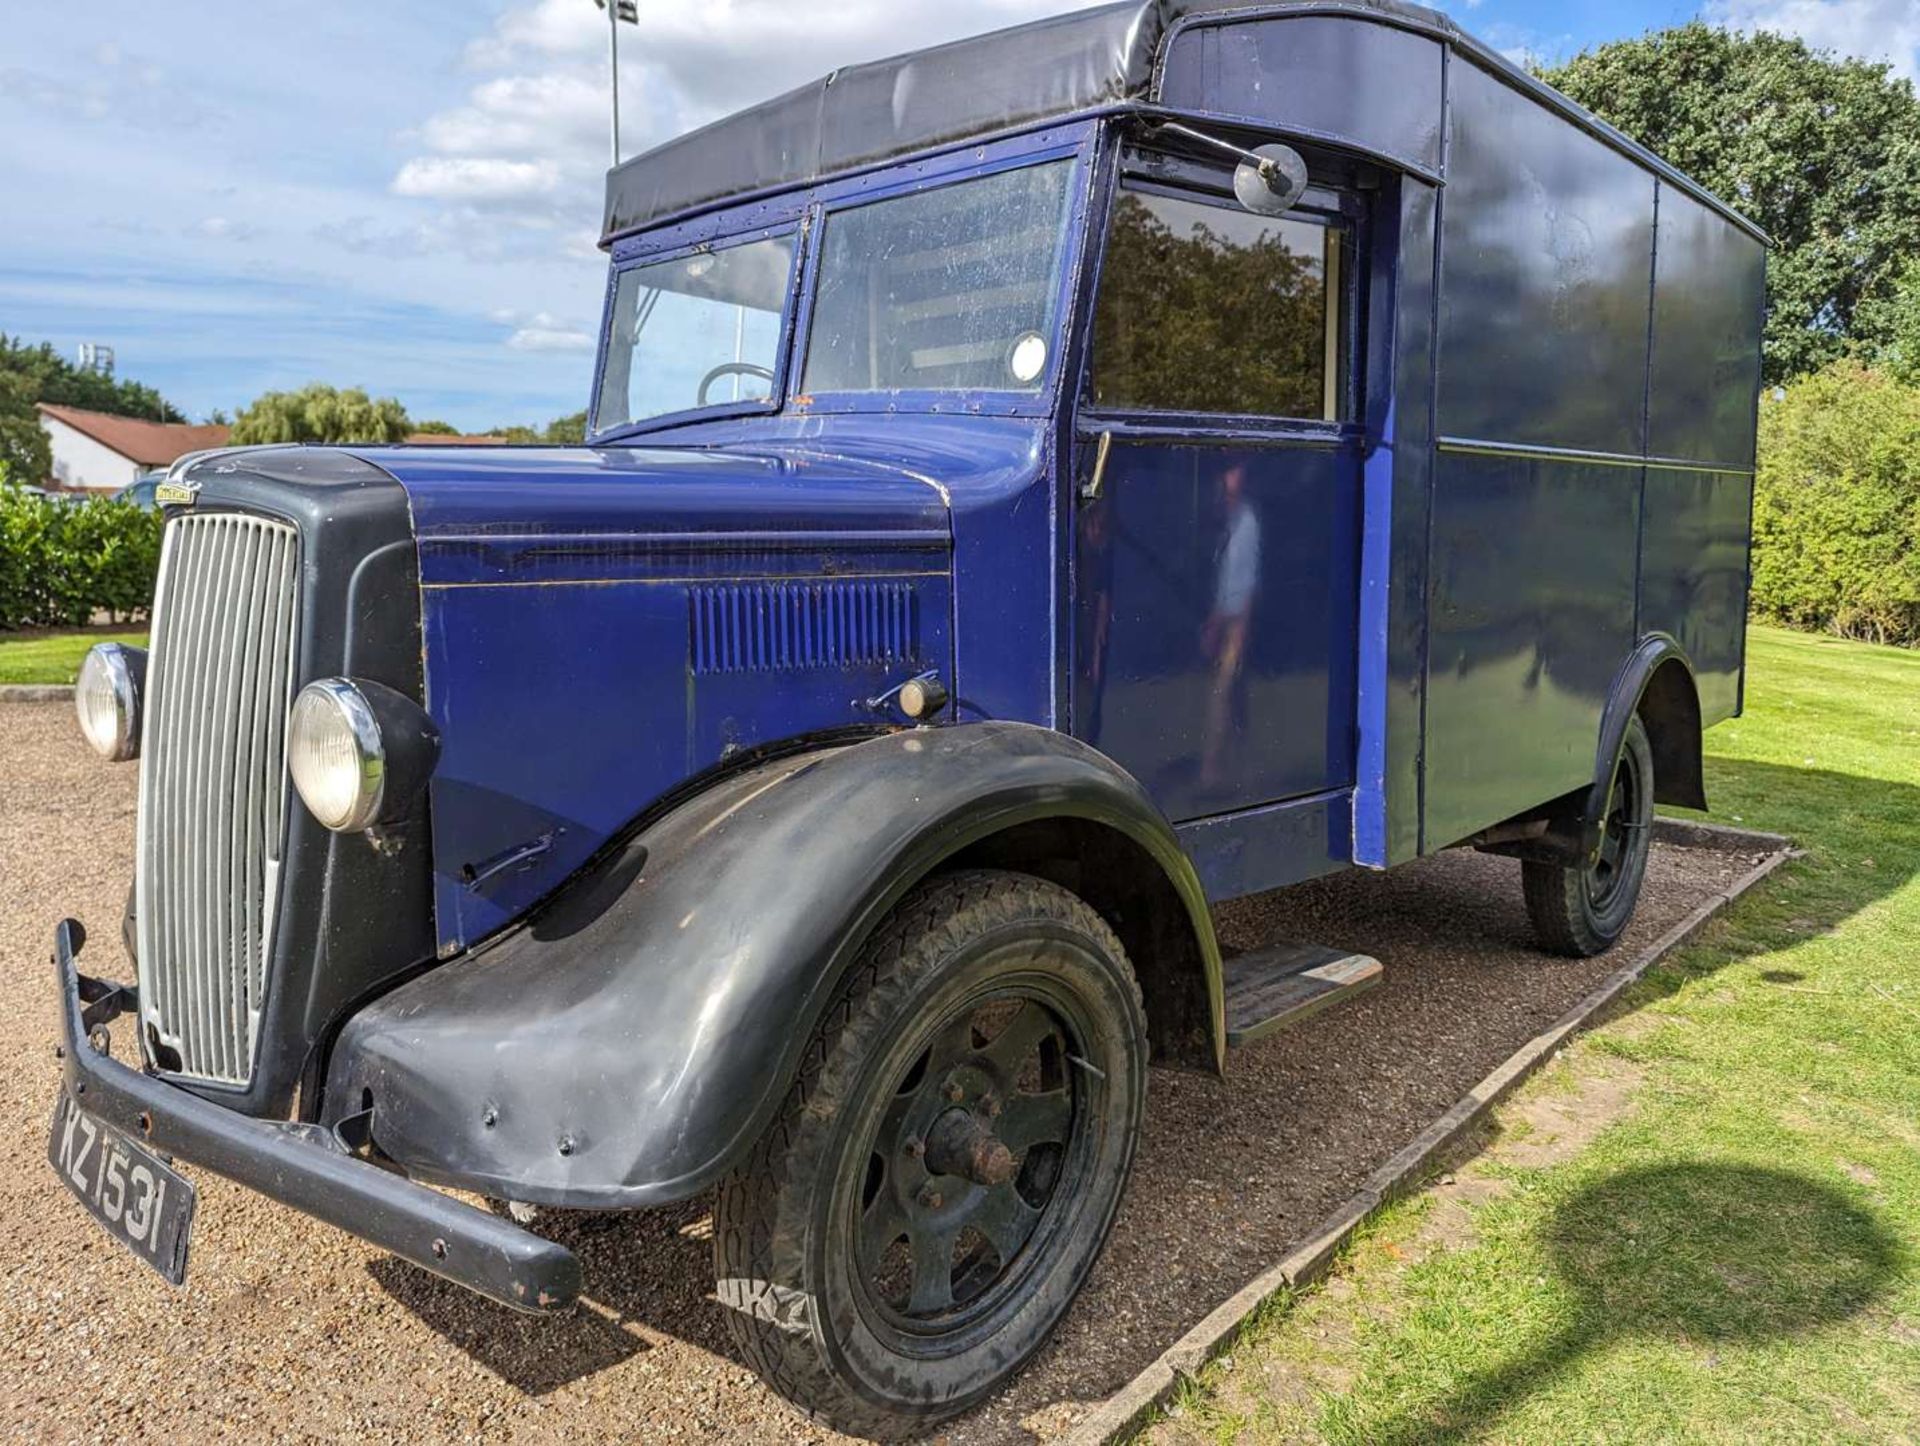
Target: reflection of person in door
{"x":1236,"y":579}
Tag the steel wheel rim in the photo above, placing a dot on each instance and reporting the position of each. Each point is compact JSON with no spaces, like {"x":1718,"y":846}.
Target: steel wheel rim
{"x":1613,"y":864}
{"x":939,"y":1244}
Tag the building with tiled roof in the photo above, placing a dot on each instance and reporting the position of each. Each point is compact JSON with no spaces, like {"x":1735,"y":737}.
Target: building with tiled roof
{"x":101,"y":452}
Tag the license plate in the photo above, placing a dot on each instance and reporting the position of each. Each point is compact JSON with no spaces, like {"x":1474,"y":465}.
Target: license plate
{"x":144,"y":1203}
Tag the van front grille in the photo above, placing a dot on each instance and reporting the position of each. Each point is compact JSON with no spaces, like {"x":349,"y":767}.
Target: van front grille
{"x":213,"y":787}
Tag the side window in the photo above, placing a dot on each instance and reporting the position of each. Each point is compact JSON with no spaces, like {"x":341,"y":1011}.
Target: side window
{"x":1205,"y":307}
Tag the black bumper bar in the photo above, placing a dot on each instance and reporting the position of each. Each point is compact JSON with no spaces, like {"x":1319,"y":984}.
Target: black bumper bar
{"x":301,"y":1165}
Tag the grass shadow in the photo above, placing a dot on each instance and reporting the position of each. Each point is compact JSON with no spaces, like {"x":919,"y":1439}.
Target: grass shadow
{"x":1708,"y":1254}
{"x":1860,"y":838}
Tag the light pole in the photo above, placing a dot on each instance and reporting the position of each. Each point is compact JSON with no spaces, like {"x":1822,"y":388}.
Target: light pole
{"x":617,"y":11}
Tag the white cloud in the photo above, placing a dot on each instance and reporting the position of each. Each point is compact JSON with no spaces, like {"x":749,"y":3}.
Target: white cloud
{"x":1886,"y":30}
{"x":225,"y":228}
{"x":476,"y":180}
{"x":544,"y":333}
{"x":535,"y":115}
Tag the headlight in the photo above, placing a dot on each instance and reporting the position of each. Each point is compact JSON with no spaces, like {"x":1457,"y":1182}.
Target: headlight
{"x":107,"y":699}
{"x":334,"y":752}
{"x":359,"y":752}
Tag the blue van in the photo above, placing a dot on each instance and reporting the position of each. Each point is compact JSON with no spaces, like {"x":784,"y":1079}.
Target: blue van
{"x":1037,"y":488}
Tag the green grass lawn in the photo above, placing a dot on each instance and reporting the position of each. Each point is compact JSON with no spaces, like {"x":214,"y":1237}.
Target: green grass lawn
{"x":1735,"y":1256}
{"x":53,"y":657}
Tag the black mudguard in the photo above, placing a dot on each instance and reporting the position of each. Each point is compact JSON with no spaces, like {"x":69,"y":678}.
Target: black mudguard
{"x":630,"y":1043}
{"x":1656,"y":683}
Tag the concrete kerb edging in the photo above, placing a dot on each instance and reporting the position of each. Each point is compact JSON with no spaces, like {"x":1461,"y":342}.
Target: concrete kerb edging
{"x":1125,"y":1411}
{"x":36,"y":693}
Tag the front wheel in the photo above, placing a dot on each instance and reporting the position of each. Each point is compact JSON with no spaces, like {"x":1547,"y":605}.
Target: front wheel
{"x":945,"y":1169}
{"x":1583,"y":909}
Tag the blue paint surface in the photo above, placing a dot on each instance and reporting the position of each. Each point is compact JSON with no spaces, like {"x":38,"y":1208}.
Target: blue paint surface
{"x":1219,"y":703}
{"x":602,"y":624}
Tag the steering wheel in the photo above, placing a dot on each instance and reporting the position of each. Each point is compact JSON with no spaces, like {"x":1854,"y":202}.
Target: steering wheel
{"x":732,"y":369}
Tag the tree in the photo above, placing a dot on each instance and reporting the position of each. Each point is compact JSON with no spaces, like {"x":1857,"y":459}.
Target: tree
{"x":435,"y":429}
{"x":1176,"y":307}
{"x":1823,"y":153}
{"x":54,"y":379}
{"x":24,"y":448}
{"x":1836,"y":511}
{"x":567,"y":431}
{"x":319,"y":413}
{"x":570,"y":430}
{"x":1895,"y":320}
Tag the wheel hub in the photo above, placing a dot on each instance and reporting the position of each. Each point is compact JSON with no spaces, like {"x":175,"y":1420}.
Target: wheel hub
{"x":959,"y":1144}
{"x":966,"y":1163}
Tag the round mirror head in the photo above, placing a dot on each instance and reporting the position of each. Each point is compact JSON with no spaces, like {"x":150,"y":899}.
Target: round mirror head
{"x":1270,"y":186}
{"x":1028,"y":358}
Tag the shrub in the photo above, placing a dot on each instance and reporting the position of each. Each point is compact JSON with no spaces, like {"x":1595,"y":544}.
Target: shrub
{"x":64,"y":560}
{"x":1836,"y":524}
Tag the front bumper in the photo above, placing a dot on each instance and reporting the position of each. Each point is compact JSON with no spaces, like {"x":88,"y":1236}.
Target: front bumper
{"x":305,"y":1166}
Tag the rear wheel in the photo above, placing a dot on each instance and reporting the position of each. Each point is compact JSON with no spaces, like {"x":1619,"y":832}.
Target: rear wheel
{"x":1583,"y":909}
{"x":945,"y":1169}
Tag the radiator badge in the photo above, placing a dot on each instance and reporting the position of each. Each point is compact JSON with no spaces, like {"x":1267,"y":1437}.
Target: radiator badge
{"x":176,"y":494}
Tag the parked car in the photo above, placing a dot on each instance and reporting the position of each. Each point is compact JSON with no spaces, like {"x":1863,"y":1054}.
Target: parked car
{"x":1038,"y":488}
{"x":140,"y":491}
{"x":47,"y":494}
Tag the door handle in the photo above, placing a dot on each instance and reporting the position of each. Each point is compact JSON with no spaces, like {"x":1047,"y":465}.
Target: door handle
{"x":1090,"y":490}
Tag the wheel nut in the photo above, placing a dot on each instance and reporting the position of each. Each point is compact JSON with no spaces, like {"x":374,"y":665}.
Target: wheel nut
{"x":931,"y":1198}
{"x":993,"y":1105}
{"x":915,"y":1149}
{"x":955,"y":1093}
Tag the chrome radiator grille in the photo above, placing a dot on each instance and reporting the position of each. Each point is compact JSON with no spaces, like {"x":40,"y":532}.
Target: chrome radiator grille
{"x":213,"y":785}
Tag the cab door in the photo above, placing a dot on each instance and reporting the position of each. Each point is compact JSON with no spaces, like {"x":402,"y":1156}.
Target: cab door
{"x":1217,"y":526}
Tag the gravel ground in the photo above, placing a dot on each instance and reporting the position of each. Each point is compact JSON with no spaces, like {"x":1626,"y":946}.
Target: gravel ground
{"x":292,"y":1331}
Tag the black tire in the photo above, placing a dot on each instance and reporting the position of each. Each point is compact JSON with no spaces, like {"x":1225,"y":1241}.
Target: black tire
{"x":1583,"y":909}
{"x":989,"y":1004}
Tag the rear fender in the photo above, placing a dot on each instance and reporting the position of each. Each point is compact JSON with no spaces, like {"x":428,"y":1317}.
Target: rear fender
{"x":1655,"y":685}
{"x":630,"y":1043}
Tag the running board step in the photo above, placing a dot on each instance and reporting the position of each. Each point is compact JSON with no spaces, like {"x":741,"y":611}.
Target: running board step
{"x":1284,"y":983}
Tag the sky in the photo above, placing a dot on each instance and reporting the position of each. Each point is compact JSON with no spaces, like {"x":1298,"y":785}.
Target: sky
{"x":242,"y":195}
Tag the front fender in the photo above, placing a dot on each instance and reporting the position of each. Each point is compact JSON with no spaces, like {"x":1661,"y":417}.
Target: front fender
{"x":629,"y":1043}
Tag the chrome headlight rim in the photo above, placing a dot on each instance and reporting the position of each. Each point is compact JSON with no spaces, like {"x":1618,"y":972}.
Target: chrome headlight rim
{"x":115,"y":673}
{"x":350,"y":708}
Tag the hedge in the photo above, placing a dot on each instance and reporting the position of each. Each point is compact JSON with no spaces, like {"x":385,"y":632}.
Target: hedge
{"x":64,"y":560}
{"x":1836,"y":518}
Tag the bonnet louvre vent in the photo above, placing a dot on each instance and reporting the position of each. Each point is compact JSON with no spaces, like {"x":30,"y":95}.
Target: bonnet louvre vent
{"x":767,"y":627}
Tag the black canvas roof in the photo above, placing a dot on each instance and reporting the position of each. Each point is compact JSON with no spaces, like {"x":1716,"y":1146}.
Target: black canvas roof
{"x":1082,"y":61}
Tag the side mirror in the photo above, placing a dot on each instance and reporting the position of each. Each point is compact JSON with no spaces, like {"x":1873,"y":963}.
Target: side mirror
{"x":1270,"y":180}
{"x":1267,"y":181}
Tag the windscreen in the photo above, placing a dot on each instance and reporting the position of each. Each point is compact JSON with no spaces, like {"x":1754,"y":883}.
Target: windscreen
{"x":698,"y":331}
{"x":952,"y":287}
